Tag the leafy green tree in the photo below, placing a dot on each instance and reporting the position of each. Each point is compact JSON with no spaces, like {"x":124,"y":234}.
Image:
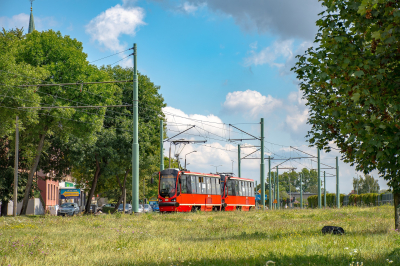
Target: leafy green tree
{"x":351,"y":80}
{"x":113,"y":147}
{"x":53,"y":58}
{"x":365,"y":185}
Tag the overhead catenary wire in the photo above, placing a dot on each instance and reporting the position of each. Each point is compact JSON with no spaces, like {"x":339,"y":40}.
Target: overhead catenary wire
{"x":65,"y":86}
{"x":109,"y":56}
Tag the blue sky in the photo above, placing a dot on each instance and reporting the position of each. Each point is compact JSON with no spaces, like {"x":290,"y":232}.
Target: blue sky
{"x":216,"y":60}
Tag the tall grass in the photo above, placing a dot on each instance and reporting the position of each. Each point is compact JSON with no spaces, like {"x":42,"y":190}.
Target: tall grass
{"x":286,"y":237}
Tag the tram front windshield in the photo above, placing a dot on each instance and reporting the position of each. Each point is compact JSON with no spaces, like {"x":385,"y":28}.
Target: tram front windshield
{"x":167,"y":185}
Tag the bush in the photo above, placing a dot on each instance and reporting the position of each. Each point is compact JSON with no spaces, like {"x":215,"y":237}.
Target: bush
{"x":330,"y":200}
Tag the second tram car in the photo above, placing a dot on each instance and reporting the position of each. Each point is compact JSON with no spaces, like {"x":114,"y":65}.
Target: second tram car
{"x":185,"y":191}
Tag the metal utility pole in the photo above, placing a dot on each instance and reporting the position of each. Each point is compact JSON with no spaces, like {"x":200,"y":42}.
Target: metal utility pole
{"x":188,"y":154}
{"x":216,"y":168}
{"x":290,"y":194}
{"x":269,"y":182}
{"x":301,"y":191}
{"x":273,"y":191}
{"x":135,"y":145}
{"x":144,"y":186}
{"x":337,"y":184}
{"x":169,"y":155}
{"x":324,"y":190}
{"x":15,"y":198}
{"x":161,"y":145}
{"x":319,"y":181}
{"x":232,"y":165}
{"x":262,"y":165}
{"x":239,"y":172}
{"x":277,"y":188}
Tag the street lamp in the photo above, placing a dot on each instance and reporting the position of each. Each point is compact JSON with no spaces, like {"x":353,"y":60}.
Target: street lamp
{"x":187,"y":154}
{"x":216,"y":168}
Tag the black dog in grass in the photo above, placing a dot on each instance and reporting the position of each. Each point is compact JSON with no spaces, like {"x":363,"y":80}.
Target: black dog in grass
{"x":336,"y":230}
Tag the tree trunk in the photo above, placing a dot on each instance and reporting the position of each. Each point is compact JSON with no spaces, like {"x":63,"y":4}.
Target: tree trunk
{"x":92,"y":189}
{"x":122,"y":187}
{"x":4,"y":208}
{"x":121,"y":197}
{"x":31,"y":173}
{"x":396,"y":199}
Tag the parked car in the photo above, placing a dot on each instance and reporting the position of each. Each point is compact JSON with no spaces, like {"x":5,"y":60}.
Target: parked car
{"x":147,"y":208}
{"x":128,"y":208}
{"x":155,"y":207}
{"x":141,"y":208}
{"x":68,"y":209}
{"x":106,"y":207}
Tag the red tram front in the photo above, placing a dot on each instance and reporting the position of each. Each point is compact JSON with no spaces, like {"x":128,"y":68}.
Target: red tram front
{"x":184,"y":191}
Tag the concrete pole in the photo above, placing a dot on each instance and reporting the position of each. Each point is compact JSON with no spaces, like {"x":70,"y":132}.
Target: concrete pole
{"x":319,"y":182}
{"x":269,"y":182}
{"x":262,"y":166}
{"x":239,"y":170}
{"x":15,"y":198}
{"x":324,"y":190}
{"x":301,"y":191}
{"x":169,"y":155}
{"x":161,"y":145}
{"x":337,"y":184}
{"x":135,"y":145}
{"x":277,"y":188}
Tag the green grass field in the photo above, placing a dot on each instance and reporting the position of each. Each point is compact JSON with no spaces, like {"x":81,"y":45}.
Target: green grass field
{"x":286,"y":237}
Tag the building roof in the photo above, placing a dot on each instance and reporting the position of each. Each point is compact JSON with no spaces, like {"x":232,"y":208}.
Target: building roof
{"x":31,"y":22}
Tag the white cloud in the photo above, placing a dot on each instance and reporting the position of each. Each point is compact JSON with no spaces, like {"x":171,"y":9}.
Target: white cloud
{"x":296,"y":116}
{"x":280,"y":54}
{"x":189,"y":8}
{"x":107,"y":27}
{"x":253,"y":45}
{"x":269,"y":55}
{"x":249,"y":102}
{"x":22,"y":21}
{"x":206,"y":126}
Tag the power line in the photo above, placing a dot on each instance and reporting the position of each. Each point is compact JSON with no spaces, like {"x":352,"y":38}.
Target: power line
{"x":109,"y":56}
{"x":87,"y":91}
{"x":121,"y":59}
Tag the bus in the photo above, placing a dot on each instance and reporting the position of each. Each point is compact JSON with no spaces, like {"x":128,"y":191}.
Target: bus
{"x":185,"y":191}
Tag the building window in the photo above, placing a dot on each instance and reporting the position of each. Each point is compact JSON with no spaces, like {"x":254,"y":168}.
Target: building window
{"x":48,"y":191}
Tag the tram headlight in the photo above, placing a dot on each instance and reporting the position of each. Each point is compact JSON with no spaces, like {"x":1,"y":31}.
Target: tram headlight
{"x":173,"y":200}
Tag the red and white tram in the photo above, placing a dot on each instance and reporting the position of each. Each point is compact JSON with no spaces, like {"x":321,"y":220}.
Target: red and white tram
{"x":184,"y":191}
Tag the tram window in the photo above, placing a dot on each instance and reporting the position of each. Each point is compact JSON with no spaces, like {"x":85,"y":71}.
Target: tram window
{"x":231,"y":191}
{"x":193,"y":184}
{"x":247,"y":189}
{"x":213,"y":186}
{"x":178,"y":189}
{"x":199,"y":183}
{"x":188,"y":185}
{"x":203,"y":186}
{"x":252,"y":189}
{"x":183,"y":184}
{"x":237,"y":188}
{"x":218,"y":186}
